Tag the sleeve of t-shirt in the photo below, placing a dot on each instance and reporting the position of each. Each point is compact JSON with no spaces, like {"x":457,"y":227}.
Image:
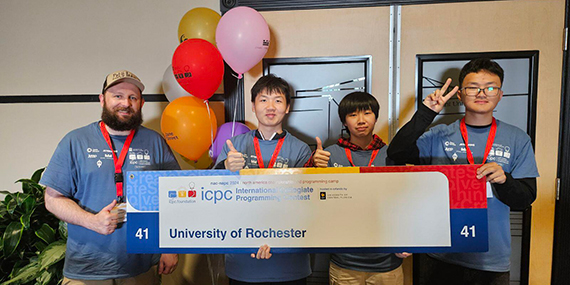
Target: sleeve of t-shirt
{"x":424,"y":144}
{"x":304,"y":155}
{"x":169,"y":161}
{"x":58,"y":174}
{"x":524,"y":163}
{"x":331,"y":161}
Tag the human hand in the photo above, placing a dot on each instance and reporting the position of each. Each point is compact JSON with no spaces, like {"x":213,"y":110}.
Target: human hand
{"x":321,"y":157}
{"x":105,"y":222}
{"x":120,"y":210}
{"x":493,"y":172}
{"x":262,"y":253}
{"x":436,"y":100}
{"x":234,"y":160}
{"x":403,"y":255}
{"x":167,"y":263}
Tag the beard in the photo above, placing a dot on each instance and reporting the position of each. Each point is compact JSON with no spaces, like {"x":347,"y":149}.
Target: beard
{"x":115,"y":122}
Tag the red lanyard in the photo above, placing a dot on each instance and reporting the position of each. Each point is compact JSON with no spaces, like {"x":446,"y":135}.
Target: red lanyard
{"x":273,"y":157}
{"x":489,"y":145}
{"x":349,"y":156}
{"x":118,"y":162}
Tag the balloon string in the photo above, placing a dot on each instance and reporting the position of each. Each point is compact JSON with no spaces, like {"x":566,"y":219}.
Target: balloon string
{"x":235,"y":109}
{"x":211,"y":125}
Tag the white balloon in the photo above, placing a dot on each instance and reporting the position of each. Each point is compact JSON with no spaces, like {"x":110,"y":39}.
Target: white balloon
{"x":170,"y":86}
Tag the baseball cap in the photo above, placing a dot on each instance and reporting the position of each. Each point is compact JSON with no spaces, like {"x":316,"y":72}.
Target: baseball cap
{"x":122,"y":76}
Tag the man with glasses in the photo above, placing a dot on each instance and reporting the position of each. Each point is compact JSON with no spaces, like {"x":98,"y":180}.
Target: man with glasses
{"x":504,"y":153}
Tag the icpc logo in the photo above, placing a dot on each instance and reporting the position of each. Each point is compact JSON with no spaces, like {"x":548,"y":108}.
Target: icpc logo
{"x":216,"y":195}
{"x":192,"y":191}
{"x":183,"y":192}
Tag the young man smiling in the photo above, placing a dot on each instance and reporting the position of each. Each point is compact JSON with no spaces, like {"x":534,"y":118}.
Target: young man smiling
{"x":503,"y":152}
{"x":270,"y":146}
{"x":358,"y":112}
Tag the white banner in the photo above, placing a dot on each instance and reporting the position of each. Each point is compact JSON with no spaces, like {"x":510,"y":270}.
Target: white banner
{"x":305,"y":211}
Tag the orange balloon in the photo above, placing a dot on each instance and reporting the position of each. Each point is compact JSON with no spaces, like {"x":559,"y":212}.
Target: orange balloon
{"x":187,"y":127}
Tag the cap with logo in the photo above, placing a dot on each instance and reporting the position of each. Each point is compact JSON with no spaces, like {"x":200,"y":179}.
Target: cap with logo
{"x":122,"y":76}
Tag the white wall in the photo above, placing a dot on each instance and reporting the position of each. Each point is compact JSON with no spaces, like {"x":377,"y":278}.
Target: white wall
{"x":67,"y":47}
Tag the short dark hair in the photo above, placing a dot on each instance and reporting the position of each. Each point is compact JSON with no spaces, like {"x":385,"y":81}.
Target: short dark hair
{"x":271,"y":83}
{"x":357,"y":101}
{"x":481,"y":64}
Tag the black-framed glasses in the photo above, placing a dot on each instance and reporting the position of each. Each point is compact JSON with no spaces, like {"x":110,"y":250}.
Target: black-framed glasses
{"x":490,"y":91}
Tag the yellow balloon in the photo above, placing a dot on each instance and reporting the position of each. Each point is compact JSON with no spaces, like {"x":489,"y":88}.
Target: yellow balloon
{"x":199,"y":23}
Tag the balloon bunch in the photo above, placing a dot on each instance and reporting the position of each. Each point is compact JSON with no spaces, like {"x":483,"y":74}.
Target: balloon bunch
{"x":197,"y":70}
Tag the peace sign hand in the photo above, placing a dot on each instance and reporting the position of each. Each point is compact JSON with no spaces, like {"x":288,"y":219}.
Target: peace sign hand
{"x":436,"y":100}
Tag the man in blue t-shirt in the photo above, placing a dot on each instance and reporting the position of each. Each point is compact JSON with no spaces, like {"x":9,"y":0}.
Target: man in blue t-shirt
{"x":84,"y":188}
{"x":358,"y":112}
{"x":267,"y":147}
{"x":506,"y":160}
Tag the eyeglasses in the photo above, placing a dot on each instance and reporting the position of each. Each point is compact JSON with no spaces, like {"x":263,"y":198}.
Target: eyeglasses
{"x":490,"y":91}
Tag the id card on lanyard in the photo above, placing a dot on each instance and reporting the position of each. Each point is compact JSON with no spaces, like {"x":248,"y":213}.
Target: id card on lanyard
{"x":488,"y":146}
{"x":118,"y":175}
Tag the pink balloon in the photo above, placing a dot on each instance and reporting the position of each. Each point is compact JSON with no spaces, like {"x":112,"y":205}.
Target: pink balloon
{"x":242,"y":36}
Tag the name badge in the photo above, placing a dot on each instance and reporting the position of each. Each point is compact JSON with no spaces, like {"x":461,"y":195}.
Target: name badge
{"x":489,"y":190}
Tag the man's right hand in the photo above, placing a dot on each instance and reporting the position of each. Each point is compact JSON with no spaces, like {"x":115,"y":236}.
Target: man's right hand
{"x":105,"y":222}
{"x":234,"y":161}
{"x":436,"y":100}
{"x":321,"y":157}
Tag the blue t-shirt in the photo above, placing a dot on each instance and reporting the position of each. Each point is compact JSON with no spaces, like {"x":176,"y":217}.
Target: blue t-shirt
{"x":82,"y":169}
{"x":512,"y":150}
{"x":368,"y":262}
{"x":280,"y":267}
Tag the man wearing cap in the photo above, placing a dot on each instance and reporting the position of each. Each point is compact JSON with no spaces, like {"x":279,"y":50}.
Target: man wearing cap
{"x":84,"y":188}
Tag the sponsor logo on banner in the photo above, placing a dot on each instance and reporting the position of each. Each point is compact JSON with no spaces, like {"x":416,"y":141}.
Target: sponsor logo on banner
{"x":183,"y":194}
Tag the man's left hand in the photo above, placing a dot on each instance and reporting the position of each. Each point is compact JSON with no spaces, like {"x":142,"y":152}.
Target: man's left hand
{"x":167,"y":263}
{"x":403,"y":254}
{"x":264,"y":252}
{"x":493,"y":172}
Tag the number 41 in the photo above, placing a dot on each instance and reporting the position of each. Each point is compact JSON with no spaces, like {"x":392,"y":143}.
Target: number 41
{"x":142,"y":233}
{"x":465,"y":231}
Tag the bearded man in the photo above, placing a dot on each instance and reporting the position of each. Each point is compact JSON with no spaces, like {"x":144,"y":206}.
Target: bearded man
{"x":84,"y":187}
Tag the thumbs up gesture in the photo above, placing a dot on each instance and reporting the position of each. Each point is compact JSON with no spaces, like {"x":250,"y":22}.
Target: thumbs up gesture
{"x":104,"y":222}
{"x":234,"y":161}
{"x":321,"y":157}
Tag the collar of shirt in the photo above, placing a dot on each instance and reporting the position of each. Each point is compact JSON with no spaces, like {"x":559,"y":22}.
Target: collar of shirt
{"x":376,"y":143}
{"x":275,"y":136}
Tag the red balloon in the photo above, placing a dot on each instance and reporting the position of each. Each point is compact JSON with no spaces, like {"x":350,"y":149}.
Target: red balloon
{"x":198,"y":67}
